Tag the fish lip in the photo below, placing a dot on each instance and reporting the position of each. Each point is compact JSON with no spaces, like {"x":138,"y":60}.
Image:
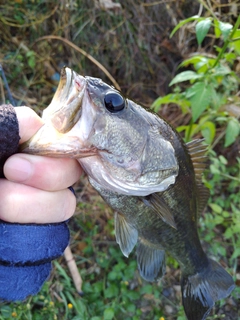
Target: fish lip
{"x":65,"y":108}
{"x":69,"y":78}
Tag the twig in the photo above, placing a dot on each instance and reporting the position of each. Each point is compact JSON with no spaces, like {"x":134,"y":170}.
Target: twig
{"x":208,"y":8}
{"x":83,"y":52}
{"x":2,"y":91}
{"x":77,"y":280}
{"x":7,"y":87}
{"x":155,"y":3}
{"x":32,"y":23}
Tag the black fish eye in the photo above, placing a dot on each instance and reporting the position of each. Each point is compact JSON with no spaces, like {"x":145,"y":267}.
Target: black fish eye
{"x":114,"y":102}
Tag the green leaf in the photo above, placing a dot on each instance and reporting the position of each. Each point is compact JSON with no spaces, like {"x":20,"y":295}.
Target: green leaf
{"x":31,"y":59}
{"x":228,"y":233}
{"x":181,"y":128}
{"x":97,"y":287}
{"x":113,"y":275}
{"x":235,"y":44}
{"x":193,"y":60}
{"x":225,"y":214}
{"x":221,"y":70}
{"x":170,"y":98}
{"x":190,"y":131}
{"x":230,"y":56}
{"x":202,"y":28}
{"x":216,"y":100}
{"x":133,"y":295}
{"x":131,"y":307}
{"x":223,"y":160}
{"x":32,"y":62}
{"x":6,"y":312}
{"x":184,"y":76}
{"x":214,"y":169}
{"x":232,"y":131}
{"x":200,"y":97}
{"x":111,"y":291}
{"x":225,"y":29}
{"x":217,"y":30}
{"x":236,"y":227}
{"x":199,"y":62}
{"x":148,"y":288}
{"x":204,"y":65}
{"x":181,"y":23}
{"x":208,"y":130}
{"x":215,"y":207}
{"x":218,"y":220}
{"x":236,"y":253}
{"x":108,"y":314}
{"x":221,"y":250}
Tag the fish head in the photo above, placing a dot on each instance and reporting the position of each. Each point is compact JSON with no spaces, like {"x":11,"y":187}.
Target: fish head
{"x":117,"y":142}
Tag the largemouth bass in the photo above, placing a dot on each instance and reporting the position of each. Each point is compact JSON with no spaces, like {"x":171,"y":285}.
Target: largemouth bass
{"x":143,"y":170}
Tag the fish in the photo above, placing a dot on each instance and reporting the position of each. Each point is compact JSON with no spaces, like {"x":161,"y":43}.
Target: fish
{"x":142,"y":168}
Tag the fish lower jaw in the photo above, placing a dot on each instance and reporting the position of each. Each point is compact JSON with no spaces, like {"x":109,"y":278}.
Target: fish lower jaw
{"x":49,"y":142}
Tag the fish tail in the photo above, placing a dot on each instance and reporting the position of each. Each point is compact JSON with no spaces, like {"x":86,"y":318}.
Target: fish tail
{"x":202,"y":290}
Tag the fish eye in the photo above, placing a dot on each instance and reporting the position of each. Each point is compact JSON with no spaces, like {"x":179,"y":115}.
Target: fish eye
{"x":114,"y":102}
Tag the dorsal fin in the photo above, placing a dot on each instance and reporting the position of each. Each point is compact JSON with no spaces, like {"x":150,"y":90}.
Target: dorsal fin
{"x":197,"y":152}
{"x":151,"y":260}
{"x":126,"y":235}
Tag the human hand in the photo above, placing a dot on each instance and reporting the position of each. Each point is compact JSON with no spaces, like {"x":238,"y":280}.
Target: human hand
{"x":35,"y":188}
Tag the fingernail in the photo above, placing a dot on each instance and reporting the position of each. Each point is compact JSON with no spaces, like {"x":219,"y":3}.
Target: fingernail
{"x":17,"y":169}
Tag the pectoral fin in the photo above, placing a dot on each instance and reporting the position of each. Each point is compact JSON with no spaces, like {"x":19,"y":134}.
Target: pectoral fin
{"x":156,"y":202}
{"x":126,"y":235}
{"x":151,"y":261}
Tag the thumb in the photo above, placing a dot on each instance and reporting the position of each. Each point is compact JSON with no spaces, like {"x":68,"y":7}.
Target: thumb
{"x":29,"y":123}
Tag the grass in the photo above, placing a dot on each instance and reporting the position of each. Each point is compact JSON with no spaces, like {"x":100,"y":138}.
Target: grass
{"x":133,"y":45}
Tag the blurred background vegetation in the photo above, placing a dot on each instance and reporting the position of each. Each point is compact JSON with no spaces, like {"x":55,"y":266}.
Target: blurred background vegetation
{"x":128,"y":43}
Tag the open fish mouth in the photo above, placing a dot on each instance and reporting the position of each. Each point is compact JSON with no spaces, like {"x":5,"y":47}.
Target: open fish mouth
{"x":58,"y":137}
{"x":65,"y":109}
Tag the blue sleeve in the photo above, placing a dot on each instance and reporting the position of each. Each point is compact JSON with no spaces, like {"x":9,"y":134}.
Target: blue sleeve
{"x":26,"y":252}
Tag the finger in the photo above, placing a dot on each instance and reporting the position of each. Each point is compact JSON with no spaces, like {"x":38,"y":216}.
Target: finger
{"x":44,"y":173}
{"x":29,"y":123}
{"x":24,"y":204}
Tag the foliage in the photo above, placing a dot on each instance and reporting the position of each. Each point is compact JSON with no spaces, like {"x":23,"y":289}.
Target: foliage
{"x":212,"y":91}
{"x":214,"y":84}
{"x":38,"y":37}
{"x":224,"y":205}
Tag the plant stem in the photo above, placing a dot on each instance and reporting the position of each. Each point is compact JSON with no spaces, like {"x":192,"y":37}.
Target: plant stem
{"x":189,"y":131}
{"x":230,"y":177}
{"x":208,"y":8}
{"x":7,"y":87}
{"x":226,"y":43}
